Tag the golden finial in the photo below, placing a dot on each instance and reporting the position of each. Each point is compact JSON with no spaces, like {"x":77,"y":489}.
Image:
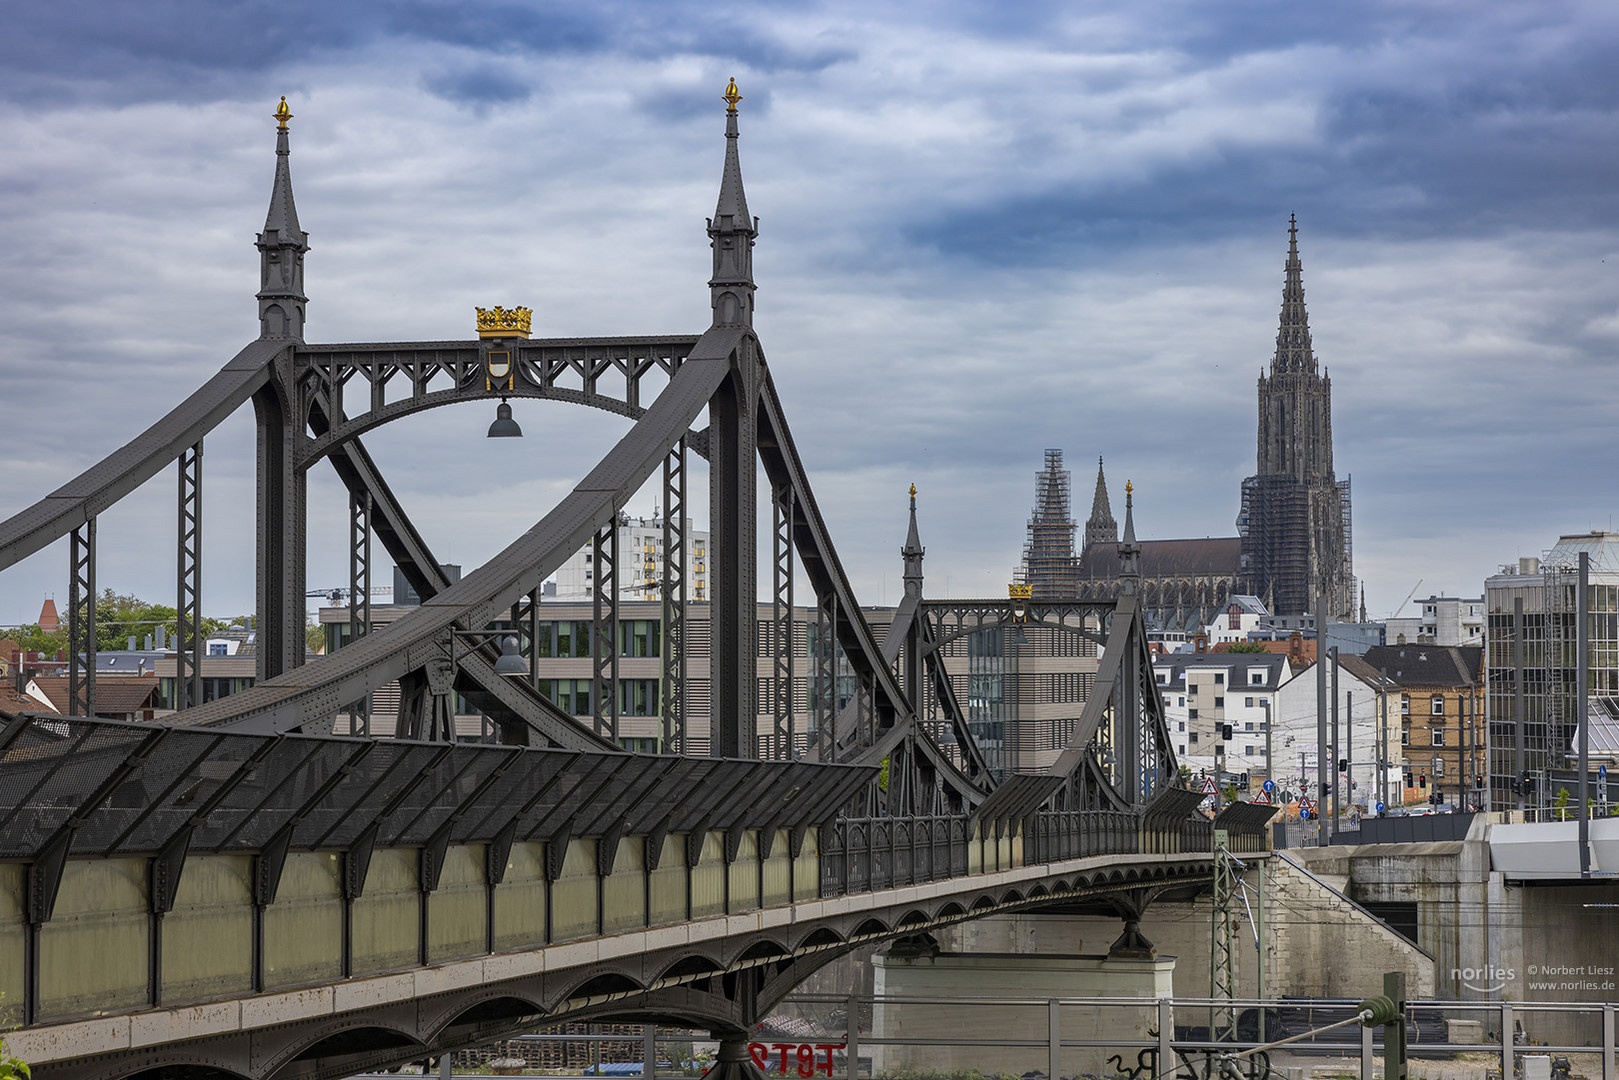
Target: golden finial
{"x":1129,"y":488}
{"x":282,"y":113}
{"x":913,"y":491}
{"x":732,"y":95}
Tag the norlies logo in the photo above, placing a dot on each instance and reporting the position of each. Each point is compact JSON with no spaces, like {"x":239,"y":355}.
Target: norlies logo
{"x":1485,"y":980}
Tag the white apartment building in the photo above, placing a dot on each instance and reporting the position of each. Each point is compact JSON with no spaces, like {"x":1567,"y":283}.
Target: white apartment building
{"x":1445,"y":620}
{"x":1202,"y":692}
{"x":1365,"y":701}
{"x":640,"y":554}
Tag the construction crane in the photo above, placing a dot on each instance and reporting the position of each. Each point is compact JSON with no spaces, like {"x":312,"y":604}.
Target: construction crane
{"x":1407,"y":599}
{"x":339,"y":596}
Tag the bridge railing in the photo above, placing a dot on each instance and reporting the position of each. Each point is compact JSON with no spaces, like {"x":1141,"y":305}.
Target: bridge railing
{"x":860,"y":854}
{"x":1054,"y":835}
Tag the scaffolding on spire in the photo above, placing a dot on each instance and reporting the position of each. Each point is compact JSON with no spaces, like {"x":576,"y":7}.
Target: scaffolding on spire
{"x":1050,"y":567}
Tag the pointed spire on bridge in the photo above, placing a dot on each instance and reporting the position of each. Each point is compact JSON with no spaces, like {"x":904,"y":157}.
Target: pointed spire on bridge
{"x":1129,"y":550}
{"x":281,"y":249}
{"x":731,"y":232}
{"x":913,"y":552}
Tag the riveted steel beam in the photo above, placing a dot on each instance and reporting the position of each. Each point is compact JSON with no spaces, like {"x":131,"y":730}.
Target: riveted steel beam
{"x":673,"y":594}
{"x":188,"y":577}
{"x":81,"y":621}
{"x":604,"y":630}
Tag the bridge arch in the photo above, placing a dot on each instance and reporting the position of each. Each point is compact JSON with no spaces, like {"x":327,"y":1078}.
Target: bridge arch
{"x":692,"y":964}
{"x":764,"y":949}
{"x":352,"y":428}
{"x":821,"y":937}
{"x":353,"y":1043}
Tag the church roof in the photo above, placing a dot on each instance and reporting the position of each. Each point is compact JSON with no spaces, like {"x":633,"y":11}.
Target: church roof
{"x":1217,"y":557}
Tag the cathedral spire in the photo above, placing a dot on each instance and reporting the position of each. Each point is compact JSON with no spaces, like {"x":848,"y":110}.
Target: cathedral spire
{"x":1293,"y":351}
{"x":912,"y":553}
{"x":281,"y":249}
{"x":732,"y":232}
{"x":1101,"y":528}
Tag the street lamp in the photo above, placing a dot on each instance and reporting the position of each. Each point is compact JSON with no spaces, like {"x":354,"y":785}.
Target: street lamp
{"x":511,"y":663}
{"x":504,"y":426}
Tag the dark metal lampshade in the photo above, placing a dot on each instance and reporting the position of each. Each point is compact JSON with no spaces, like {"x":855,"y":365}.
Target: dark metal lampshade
{"x":504,"y":426}
{"x":511,"y":662}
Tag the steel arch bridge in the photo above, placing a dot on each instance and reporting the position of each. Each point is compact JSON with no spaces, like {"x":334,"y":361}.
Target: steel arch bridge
{"x":567,"y":863}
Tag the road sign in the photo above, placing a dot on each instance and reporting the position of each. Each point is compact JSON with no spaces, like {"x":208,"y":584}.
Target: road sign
{"x":1208,"y":787}
{"x":1380,"y":807}
{"x":1269,"y":785}
{"x":1261,"y":799}
{"x":1602,"y":771}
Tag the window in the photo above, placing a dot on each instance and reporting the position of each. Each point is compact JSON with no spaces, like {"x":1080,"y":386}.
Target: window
{"x":1191,"y":688}
{"x":1163,"y":678}
{"x":1438,"y":736}
{"x":218,"y":648}
{"x":1183,"y":725}
{"x":572,"y":696}
{"x":1249,"y":726}
{"x":1191,"y":714}
{"x":1219,"y":703}
{"x":639,"y":637}
{"x":1256,"y":676}
{"x":1181,"y":749}
{"x":1180,"y":701}
{"x":1194,"y":738}
{"x":1248,"y":703}
{"x":1438,"y":766}
{"x":1405,"y":736}
{"x":1248,"y":751}
{"x":1438,"y":705}
{"x":638,"y":697}
{"x":1219,"y":678}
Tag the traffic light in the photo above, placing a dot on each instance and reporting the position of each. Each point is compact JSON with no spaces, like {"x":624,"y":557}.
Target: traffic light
{"x":1343,"y":764}
{"x":1478,"y":782}
{"x":1225,"y":732}
{"x":1422,"y":780}
{"x":1436,"y":798}
{"x":1326,"y":791}
{"x":1408,"y":780}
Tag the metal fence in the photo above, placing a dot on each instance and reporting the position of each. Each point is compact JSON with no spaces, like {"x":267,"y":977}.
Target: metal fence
{"x":913,"y":1036}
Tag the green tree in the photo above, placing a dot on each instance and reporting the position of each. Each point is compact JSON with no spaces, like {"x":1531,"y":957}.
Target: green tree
{"x":1560,"y":804}
{"x":314,"y":636}
{"x":1245,"y":647}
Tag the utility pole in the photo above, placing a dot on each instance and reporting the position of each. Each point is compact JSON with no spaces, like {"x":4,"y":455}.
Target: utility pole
{"x":1385,"y":752}
{"x":1270,"y":768}
{"x":1349,"y":748}
{"x":1582,"y":615}
{"x":1520,"y":772}
{"x":1336,"y":735}
{"x":1320,"y":715}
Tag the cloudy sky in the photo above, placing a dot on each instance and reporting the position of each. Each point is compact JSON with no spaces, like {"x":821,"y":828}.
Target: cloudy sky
{"x":986,"y":230}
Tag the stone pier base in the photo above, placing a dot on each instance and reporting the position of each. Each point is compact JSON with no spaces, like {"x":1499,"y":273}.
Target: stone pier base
{"x":931,"y":1029}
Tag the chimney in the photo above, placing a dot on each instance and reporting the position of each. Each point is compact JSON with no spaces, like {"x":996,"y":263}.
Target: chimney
{"x":162,"y":637}
{"x":148,"y":642}
{"x":131,"y":642}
